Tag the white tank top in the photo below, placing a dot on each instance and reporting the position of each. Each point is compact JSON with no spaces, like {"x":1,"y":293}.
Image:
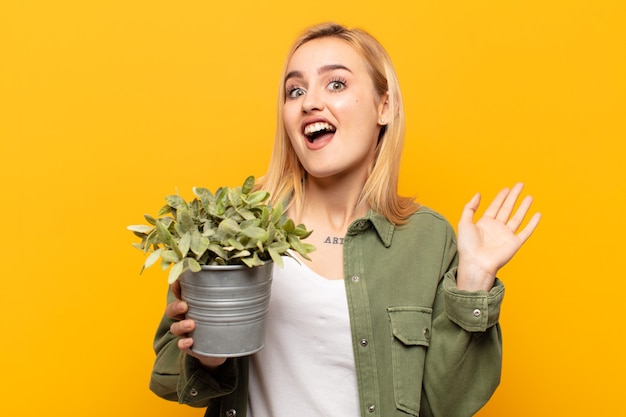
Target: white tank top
{"x":306,"y":368}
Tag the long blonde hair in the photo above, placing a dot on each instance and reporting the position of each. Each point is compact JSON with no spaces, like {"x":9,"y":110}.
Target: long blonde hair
{"x":285,"y":177}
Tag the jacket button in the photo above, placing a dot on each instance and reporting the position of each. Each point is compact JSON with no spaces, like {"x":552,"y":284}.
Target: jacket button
{"x":193,"y":392}
{"x":371,"y":408}
{"x":426,"y":333}
{"x":231,"y":413}
{"x":355,"y":278}
{"x":363,"y":342}
{"x":477,"y":313}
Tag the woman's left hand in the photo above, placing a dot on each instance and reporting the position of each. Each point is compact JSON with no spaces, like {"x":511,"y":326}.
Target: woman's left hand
{"x":487,"y":245}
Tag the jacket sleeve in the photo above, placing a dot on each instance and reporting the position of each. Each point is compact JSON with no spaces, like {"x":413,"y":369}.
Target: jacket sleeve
{"x":464,"y":360}
{"x":177,"y":376}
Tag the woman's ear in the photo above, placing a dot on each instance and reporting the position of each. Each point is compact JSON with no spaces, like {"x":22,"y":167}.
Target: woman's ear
{"x":383,"y":110}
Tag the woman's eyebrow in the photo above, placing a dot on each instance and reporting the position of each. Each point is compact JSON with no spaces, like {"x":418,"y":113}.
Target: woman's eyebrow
{"x":332,"y":67}
{"x":320,"y":70}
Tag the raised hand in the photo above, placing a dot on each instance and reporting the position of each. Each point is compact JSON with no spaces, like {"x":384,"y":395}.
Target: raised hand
{"x":487,"y":245}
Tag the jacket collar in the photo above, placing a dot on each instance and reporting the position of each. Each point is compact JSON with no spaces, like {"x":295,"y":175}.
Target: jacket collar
{"x":383,"y":227}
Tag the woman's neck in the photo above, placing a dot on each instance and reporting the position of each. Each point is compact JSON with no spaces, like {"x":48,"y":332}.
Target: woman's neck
{"x":334,"y":202}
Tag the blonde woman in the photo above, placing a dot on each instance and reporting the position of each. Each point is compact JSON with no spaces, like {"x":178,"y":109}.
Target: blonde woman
{"x":393,"y":316}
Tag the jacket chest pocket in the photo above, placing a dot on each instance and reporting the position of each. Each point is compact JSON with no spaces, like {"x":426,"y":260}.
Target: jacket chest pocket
{"x":410,"y":330}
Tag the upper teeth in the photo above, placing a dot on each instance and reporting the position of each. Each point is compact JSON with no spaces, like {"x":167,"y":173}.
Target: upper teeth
{"x":317,"y":127}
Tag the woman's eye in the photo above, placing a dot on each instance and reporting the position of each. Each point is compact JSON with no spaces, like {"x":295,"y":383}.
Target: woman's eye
{"x":336,"y":86}
{"x":295,"y":92}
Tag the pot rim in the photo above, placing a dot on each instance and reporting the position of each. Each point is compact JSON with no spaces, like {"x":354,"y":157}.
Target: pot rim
{"x":234,"y":267}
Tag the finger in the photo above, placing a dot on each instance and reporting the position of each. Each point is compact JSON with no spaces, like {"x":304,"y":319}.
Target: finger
{"x":175,"y":287}
{"x":470,"y":209}
{"x":185,"y":344}
{"x":516,"y":220}
{"x":176,"y":310}
{"x":494,"y":207}
{"x":530,"y":227}
{"x":509,"y":203}
{"x":181,"y":328}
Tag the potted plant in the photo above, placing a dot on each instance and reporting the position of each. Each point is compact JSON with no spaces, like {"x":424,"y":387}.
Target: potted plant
{"x":222,"y":247}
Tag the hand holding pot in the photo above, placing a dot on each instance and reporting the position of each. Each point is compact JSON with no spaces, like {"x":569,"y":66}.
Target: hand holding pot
{"x":177,"y":310}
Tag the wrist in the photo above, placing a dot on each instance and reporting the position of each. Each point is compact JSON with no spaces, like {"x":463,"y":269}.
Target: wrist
{"x":472,"y":278}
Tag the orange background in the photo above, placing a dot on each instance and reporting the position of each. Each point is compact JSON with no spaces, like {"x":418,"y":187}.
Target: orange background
{"x":107,"y":106}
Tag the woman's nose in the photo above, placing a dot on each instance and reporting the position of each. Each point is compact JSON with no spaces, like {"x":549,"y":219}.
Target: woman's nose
{"x":312,"y":102}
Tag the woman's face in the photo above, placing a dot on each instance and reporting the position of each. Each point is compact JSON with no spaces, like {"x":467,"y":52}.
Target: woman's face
{"x":331,"y":112}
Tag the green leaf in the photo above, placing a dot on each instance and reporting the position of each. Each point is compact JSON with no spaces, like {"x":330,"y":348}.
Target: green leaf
{"x":289,"y":226}
{"x":164,"y":210}
{"x":175,"y":201}
{"x":248,"y":185}
{"x":246,"y":214}
{"x":217,"y":249}
{"x":234,"y":197}
{"x":278,"y":260}
{"x":140,"y":228}
{"x":297,"y":245}
{"x":277,"y":213}
{"x":254,"y":261}
{"x":202,"y":192}
{"x":199,"y":244}
{"x":175,"y":272}
{"x":279,"y":247}
{"x":170,"y":256}
{"x":301,"y":231}
{"x":236,"y":244}
{"x":152,"y":258}
{"x":265,"y":216}
{"x":228,"y":227}
{"x":164,"y":235}
{"x":257,"y":197}
{"x":183,"y":217}
{"x":255,"y":233}
{"x":193,"y":265}
{"x":241,"y":254}
{"x":184,"y":244}
{"x":149,"y":219}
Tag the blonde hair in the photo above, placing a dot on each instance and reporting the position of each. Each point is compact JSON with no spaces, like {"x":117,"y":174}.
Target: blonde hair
{"x":285,"y":177}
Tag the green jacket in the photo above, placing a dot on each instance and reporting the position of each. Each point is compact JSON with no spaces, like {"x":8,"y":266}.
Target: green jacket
{"x":421,"y":346}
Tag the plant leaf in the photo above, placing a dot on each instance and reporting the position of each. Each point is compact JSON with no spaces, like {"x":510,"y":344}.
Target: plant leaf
{"x":140,"y":228}
{"x":164,"y":235}
{"x":234,"y":197}
{"x":152,"y":258}
{"x":176,"y":201}
{"x":256,"y":233}
{"x":278,"y":260}
{"x":257,"y":197}
{"x":175,"y":272}
{"x":218,"y":250}
{"x":277,"y":213}
{"x":170,"y":256}
{"x":193,"y":265}
{"x":229,"y":227}
{"x":199,"y":244}
{"x":184,"y":244}
{"x":241,"y":254}
{"x":248,"y":185}
{"x":183,"y":217}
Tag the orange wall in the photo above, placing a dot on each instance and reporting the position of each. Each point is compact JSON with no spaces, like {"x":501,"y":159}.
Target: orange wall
{"x":107,"y":106}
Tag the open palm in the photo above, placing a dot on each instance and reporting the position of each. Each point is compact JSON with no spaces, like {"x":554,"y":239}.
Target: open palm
{"x":487,"y":245}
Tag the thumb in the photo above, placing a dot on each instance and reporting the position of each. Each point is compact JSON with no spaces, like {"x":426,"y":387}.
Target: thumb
{"x":470,"y":209}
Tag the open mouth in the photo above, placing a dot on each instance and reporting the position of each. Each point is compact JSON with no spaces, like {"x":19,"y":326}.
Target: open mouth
{"x":316,"y":130}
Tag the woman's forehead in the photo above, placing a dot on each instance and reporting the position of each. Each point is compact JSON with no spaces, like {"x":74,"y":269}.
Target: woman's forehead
{"x":324,"y":52}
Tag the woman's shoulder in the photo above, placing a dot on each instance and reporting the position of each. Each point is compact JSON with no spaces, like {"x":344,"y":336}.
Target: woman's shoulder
{"x":427,"y":220}
{"x":425,"y":214}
